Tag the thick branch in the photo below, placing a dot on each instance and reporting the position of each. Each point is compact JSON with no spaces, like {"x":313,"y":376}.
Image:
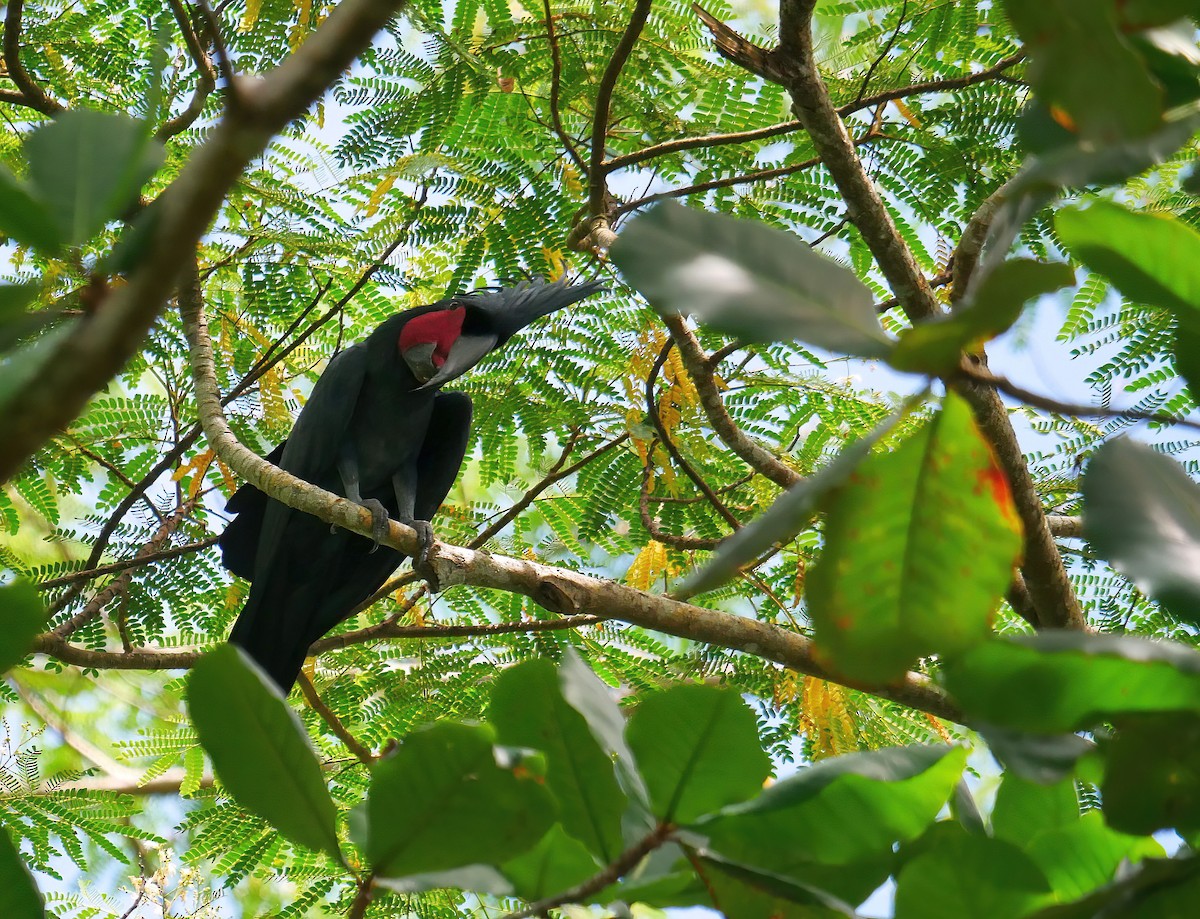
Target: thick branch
{"x":31,"y":94}
{"x":1044,"y":573}
{"x":100,"y":344}
{"x":699,"y":368}
{"x":567,"y":593}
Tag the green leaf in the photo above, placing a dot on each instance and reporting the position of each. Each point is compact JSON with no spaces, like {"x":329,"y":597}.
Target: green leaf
{"x":1165,"y":888}
{"x":749,"y":892}
{"x":839,"y":811}
{"x":259,"y":748}
{"x":24,"y":218}
{"x":16,"y":323}
{"x":935,"y":347}
{"x":22,"y":618}
{"x":919,"y":548}
{"x":1042,"y":758}
{"x":588,"y":695}
{"x":1141,"y":511}
{"x":962,"y":874}
{"x":441,"y":802}
{"x":19,"y":367}
{"x":476,"y":878}
{"x":1142,"y":14}
{"x":1077,"y":858}
{"x":1151,"y":258}
{"x":557,"y":863}
{"x":698,"y":750}
{"x":1152,"y":773}
{"x":528,"y":710}
{"x":1069,"y":681}
{"x":88,"y":166}
{"x":1075,"y":46}
{"x":789,"y":515}
{"x":19,"y":896}
{"x":1024,"y":809}
{"x":748,"y":279}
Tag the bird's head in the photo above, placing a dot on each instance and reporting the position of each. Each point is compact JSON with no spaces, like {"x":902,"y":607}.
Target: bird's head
{"x":445,"y":342}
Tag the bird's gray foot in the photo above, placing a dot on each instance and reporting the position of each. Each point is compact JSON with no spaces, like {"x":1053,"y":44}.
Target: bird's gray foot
{"x":420,"y":562}
{"x":379,"y":521}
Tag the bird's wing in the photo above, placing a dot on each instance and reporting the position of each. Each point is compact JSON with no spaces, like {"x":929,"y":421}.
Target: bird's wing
{"x":442,"y":452}
{"x":239,"y":542}
{"x":313,"y":445}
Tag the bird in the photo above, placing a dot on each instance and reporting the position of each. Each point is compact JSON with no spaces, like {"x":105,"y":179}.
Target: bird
{"x":377,"y":429}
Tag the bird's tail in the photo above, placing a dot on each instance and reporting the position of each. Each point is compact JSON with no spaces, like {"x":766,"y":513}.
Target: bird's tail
{"x":279,"y":651}
{"x":513,"y":308}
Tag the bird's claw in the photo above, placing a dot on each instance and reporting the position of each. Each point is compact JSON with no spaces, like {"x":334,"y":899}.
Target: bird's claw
{"x":420,"y":563}
{"x":379,"y":521}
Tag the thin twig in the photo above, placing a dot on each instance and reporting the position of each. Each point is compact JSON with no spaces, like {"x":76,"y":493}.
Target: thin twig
{"x":1005,"y":385}
{"x":365,"y":756}
{"x":624,"y":863}
{"x":656,"y":532}
{"x":206,"y":75}
{"x":652,"y":410}
{"x":137,"y":561}
{"x":556,"y":89}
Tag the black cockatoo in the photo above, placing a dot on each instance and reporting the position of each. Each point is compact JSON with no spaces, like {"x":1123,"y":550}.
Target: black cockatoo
{"x":377,"y":430}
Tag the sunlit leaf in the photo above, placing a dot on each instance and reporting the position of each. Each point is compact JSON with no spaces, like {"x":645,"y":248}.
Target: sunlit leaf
{"x":747,"y":279}
{"x":259,"y":748}
{"x":22,"y":617}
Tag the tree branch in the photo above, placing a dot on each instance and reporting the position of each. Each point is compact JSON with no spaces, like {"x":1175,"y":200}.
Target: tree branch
{"x":1045,"y":575}
{"x":142,"y":558}
{"x":567,"y":593}
{"x":700,"y":370}
{"x":31,"y":94}
{"x":206,"y":80}
{"x":100,"y":343}
{"x":556,"y":90}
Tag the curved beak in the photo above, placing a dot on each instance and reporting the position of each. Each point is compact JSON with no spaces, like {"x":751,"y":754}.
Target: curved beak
{"x":464,"y":354}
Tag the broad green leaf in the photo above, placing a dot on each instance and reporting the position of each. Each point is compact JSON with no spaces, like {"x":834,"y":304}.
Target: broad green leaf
{"x":1077,"y":858}
{"x":962,"y":874}
{"x":698,"y":750}
{"x":789,"y":515}
{"x":16,"y":321}
{"x":259,"y":748}
{"x":1076,"y":46}
{"x":25,"y":219}
{"x":1025,"y":809}
{"x":557,"y":863}
{"x":19,"y":367}
{"x":22,"y":617}
{"x":476,"y":878}
{"x":441,"y":802}
{"x":1151,"y":258}
{"x":1069,"y":681}
{"x":919,"y":548}
{"x":88,"y":166}
{"x":748,"y":279}
{"x":1142,"y":14}
{"x":1152,"y":772}
{"x":19,"y":895}
{"x":1160,"y":888}
{"x":749,"y":892}
{"x":839,"y":811}
{"x":1076,"y":165}
{"x":936,"y":346}
{"x":1141,"y":511}
{"x":528,"y":710}
{"x":1041,"y":758}
{"x":587,"y":694}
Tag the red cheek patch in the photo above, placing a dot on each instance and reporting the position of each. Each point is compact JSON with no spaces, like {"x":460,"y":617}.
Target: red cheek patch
{"x":440,"y":328}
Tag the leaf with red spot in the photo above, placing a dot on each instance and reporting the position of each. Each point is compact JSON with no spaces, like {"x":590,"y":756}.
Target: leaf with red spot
{"x":919,"y":547}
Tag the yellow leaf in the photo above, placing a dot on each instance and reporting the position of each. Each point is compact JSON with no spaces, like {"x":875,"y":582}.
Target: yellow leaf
{"x":827,"y":719}
{"x":648,"y":566}
{"x":270,"y":393}
{"x":906,"y":113}
{"x":377,"y":195}
{"x":554,"y":258}
{"x":250,"y":17}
